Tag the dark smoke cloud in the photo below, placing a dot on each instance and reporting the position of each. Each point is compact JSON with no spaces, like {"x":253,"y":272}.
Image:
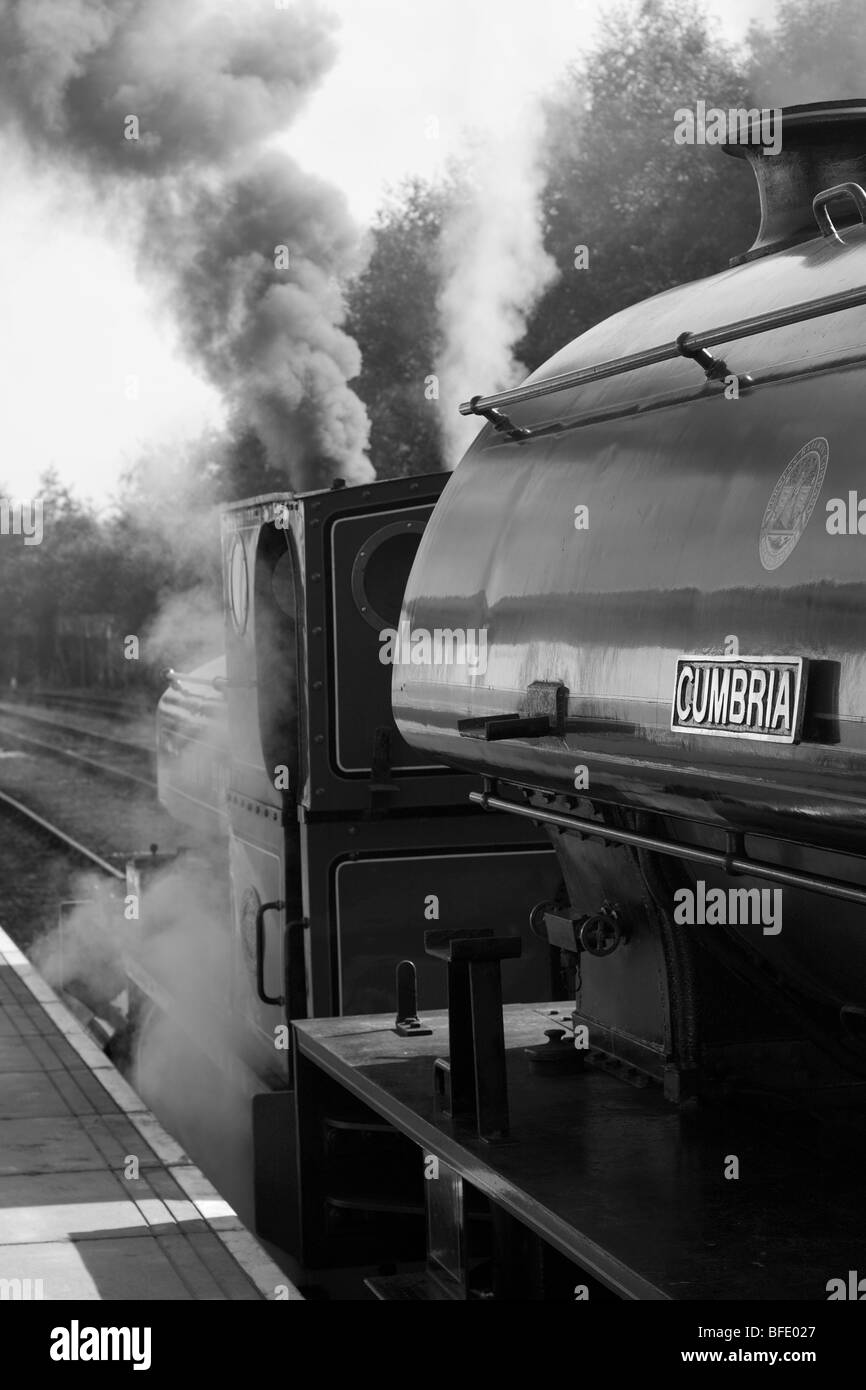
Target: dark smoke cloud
{"x":270,"y":339}
{"x":209,"y":85}
{"x":205,"y":80}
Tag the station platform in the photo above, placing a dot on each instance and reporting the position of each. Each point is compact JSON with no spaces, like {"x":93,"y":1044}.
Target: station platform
{"x":97,"y":1201}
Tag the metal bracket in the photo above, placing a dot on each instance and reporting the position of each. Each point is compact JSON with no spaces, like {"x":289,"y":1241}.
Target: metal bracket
{"x":495,"y":727}
{"x":476,"y":1067}
{"x":559,"y":929}
{"x":498,"y":420}
{"x":548,"y":699}
{"x":715,"y":368}
{"x":543,"y":714}
{"x":408,"y":1024}
{"x":599,"y":933}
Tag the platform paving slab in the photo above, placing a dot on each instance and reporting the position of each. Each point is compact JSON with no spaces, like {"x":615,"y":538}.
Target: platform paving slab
{"x":110,"y":1269}
{"x":37,"y":1145}
{"x":75,"y":1223}
{"x":53,"y":1206}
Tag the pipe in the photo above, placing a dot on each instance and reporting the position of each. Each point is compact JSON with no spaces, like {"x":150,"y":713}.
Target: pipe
{"x":732,"y":863}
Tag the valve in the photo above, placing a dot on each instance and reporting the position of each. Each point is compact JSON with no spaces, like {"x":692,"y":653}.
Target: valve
{"x":601,"y":933}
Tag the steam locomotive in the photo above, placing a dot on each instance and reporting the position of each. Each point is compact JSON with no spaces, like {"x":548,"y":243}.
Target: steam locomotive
{"x":625,"y":854}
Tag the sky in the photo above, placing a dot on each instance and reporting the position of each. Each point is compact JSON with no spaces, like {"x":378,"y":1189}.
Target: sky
{"x":90,"y":371}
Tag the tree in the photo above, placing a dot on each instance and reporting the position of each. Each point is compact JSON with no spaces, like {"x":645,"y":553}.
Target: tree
{"x":652,"y":213}
{"x":392,"y":315}
{"x":815,"y":52}
{"x":50,"y":584}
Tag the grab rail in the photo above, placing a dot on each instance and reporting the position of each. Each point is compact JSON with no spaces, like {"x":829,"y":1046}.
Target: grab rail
{"x":734,"y":861}
{"x":687,"y":344}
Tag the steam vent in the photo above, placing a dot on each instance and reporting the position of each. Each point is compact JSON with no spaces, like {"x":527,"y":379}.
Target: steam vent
{"x":823,"y":145}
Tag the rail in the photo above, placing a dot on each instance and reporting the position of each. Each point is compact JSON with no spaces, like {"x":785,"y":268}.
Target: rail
{"x":67,"y":754}
{"x":736,"y":861}
{"x":56,"y":833}
{"x":689,"y":345}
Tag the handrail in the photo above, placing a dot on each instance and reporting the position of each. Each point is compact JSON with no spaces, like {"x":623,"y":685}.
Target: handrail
{"x":732,"y":862}
{"x":685,"y":345}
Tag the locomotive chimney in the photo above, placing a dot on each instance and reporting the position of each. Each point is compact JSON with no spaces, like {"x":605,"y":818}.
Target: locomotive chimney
{"x":823,"y":144}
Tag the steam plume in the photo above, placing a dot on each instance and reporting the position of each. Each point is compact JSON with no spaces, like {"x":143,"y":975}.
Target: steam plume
{"x":173,"y":105}
{"x":494,"y":269}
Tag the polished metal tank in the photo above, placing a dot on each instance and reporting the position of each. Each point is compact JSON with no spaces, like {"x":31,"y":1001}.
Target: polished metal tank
{"x":683,"y":483}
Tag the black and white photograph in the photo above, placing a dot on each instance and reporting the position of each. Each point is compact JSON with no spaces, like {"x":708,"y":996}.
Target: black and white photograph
{"x":432,"y":672}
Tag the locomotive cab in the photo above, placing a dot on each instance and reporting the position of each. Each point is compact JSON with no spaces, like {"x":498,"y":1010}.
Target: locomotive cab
{"x":326,"y":802}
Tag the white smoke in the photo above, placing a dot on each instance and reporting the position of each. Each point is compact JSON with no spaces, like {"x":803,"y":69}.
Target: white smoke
{"x":494,"y":268}
{"x":187,"y":630}
{"x":183,"y":1050}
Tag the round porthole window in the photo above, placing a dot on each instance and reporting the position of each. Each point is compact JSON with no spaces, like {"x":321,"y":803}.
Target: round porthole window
{"x":381,"y":571}
{"x":239,"y":585}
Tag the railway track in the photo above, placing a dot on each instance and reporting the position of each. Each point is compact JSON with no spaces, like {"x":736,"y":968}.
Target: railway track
{"x":37,"y":794}
{"x":131,"y":750}
{"x":88,"y":704}
{"x":33,"y":714}
{"x":59,"y":836}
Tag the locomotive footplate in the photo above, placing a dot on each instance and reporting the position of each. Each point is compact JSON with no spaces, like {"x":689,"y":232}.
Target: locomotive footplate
{"x":600,"y":1191}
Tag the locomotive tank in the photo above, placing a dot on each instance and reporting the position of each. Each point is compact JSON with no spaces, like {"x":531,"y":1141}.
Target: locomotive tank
{"x":661,"y":538}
